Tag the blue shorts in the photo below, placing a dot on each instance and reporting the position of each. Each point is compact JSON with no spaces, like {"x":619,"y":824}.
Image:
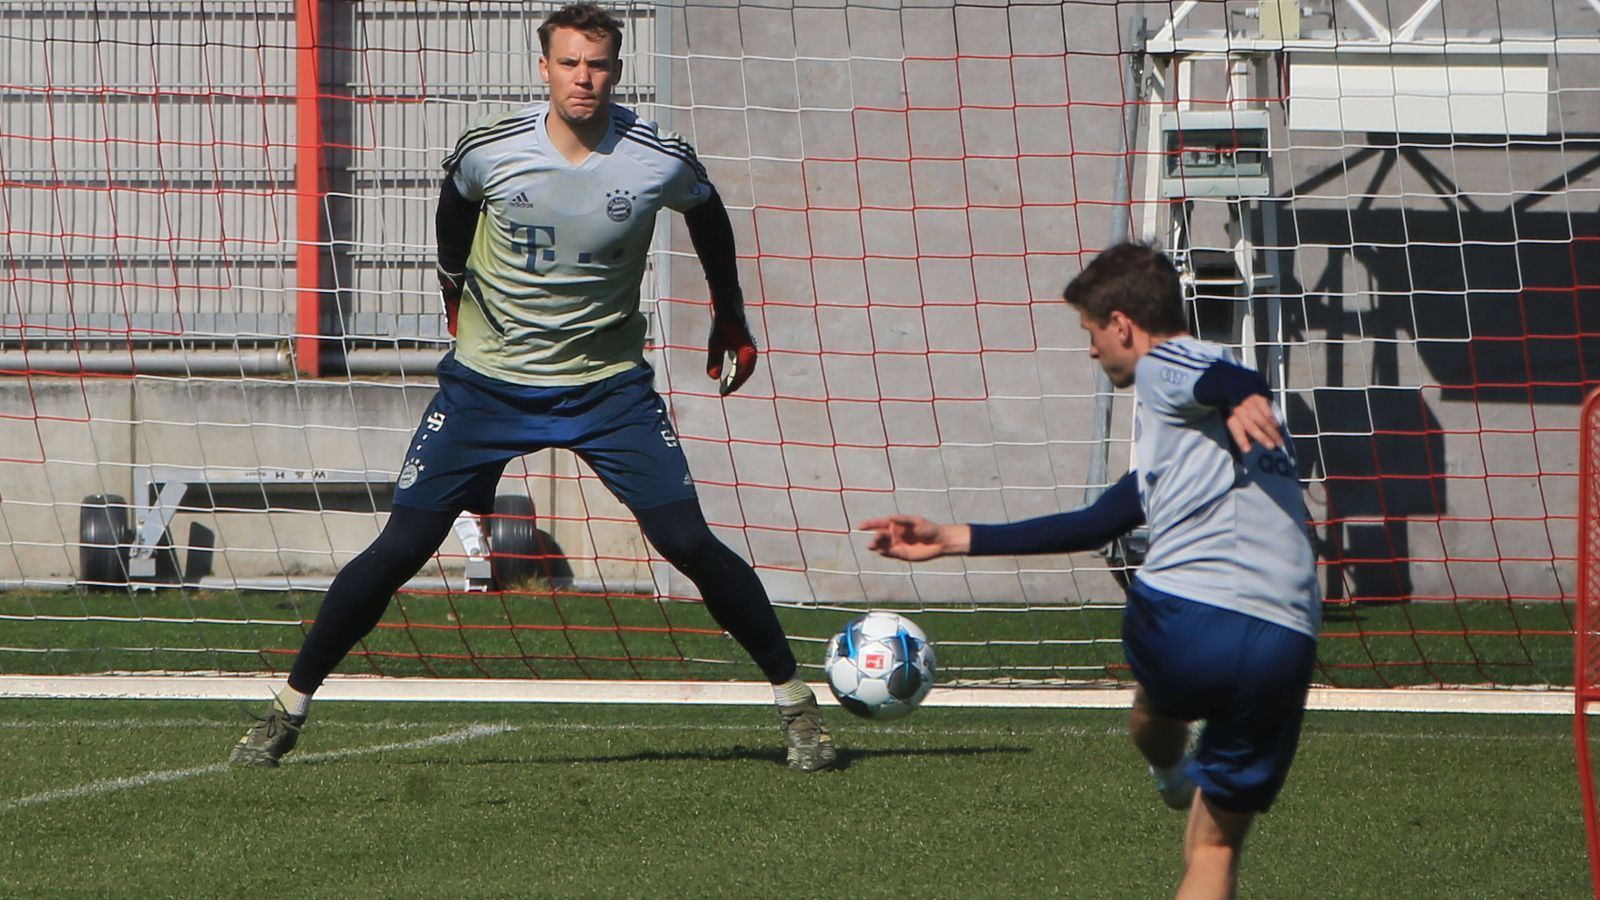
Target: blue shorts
{"x":1245,"y":676}
{"x":477,"y":424}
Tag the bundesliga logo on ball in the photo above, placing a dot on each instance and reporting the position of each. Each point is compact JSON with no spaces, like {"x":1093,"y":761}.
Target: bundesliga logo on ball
{"x":880,"y":666}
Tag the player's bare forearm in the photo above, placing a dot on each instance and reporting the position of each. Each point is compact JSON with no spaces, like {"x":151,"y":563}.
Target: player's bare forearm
{"x":915,"y":539}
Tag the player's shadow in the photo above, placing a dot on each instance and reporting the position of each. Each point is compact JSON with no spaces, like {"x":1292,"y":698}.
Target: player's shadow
{"x":1345,"y":613}
{"x":735,"y":753}
{"x":848,"y":756}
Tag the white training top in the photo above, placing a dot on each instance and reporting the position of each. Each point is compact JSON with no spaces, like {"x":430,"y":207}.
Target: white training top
{"x":1224,"y":530}
{"x":552,"y":296}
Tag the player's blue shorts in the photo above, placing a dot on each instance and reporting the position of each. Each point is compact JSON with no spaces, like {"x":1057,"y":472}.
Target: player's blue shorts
{"x":477,"y":424}
{"x":1245,"y":676}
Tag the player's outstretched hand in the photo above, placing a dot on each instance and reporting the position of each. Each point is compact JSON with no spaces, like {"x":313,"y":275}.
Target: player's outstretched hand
{"x":1252,"y":422}
{"x":730,"y":336}
{"x":913,"y":538}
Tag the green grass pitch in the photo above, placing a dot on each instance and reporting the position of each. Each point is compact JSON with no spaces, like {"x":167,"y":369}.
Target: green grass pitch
{"x":556,"y":635}
{"x":131,"y":799}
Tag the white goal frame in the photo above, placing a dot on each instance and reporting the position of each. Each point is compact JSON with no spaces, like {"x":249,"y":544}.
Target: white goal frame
{"x":1165,"y":54}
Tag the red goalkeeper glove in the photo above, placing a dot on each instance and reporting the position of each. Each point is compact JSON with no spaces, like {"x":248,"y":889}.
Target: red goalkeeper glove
{"x":450,"y":285}
{"x":730,"y":337}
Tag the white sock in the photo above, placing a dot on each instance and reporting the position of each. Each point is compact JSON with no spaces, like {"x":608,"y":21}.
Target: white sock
{"x":293,"y":702}
{"x":1173,"y":774}
{"x":793,"y":693}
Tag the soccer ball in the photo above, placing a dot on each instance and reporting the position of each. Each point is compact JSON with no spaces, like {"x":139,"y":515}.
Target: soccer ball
{"x":880,"y":666}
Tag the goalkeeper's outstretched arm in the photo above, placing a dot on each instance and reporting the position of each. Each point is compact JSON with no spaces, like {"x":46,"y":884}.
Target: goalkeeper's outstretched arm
{"x":914,"y":538}
{"x":455,"y":221}
{"x":712,"y":235}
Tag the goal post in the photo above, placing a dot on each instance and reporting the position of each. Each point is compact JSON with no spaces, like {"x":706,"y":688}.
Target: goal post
{"x":1587,"y":666}
{"x":220,"y":324}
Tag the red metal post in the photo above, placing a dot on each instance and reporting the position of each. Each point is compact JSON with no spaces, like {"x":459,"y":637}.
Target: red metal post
{"x":1586,"y":675}
{"x":308,"y":190}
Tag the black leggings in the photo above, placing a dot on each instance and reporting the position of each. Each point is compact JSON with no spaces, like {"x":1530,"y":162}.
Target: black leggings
{"x":359,"y":595}
{"x":732,"y":593}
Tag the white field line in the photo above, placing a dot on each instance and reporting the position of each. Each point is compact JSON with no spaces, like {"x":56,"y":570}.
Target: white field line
{"x":1549,"y":701}
{"x":95,"y":788}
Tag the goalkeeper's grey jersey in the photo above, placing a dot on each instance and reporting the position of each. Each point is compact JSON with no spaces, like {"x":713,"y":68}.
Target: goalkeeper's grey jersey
{"x":552,"y":294}
{"x":1225,"y":530}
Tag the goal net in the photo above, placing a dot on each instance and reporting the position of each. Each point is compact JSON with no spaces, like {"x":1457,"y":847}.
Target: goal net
{"x":219,"y":323}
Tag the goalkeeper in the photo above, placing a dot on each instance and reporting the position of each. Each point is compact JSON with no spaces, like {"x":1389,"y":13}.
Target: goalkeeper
{"x":544,"y":224}
{"x":1221,"y":619}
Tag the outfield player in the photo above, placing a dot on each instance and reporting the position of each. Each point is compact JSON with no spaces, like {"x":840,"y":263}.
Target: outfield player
{"x":1222,"y":617}
{"x":544,"y":223}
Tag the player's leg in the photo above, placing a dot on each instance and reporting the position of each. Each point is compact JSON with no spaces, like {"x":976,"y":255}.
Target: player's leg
{"x":632,"y":446}
{"x":736,"y":599}
{"x":634,"y":449}
{"x":1248,"y":678}
{"x":1167,"y":744}
{"x":1161,"y":738}
{"x":452,"y":464}
{"x":362,"y":590}
{"x":1212,"y":845}
{"x":355,"y":602}
{"x":1166,"y":703}
{"x":732,"y":592}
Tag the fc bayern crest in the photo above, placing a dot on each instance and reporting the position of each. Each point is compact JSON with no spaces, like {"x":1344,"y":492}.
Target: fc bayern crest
{"x":619,"y":205}
{"x":408,"y":475}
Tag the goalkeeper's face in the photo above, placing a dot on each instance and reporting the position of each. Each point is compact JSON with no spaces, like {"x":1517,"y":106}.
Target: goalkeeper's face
{"x":581,"y":70}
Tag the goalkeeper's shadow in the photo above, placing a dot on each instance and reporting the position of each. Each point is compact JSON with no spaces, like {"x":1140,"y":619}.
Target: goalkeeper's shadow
{"x":848,"y":756}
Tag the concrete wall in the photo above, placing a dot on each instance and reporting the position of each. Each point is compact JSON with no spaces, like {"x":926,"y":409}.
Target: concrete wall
{"x":94,"y":438}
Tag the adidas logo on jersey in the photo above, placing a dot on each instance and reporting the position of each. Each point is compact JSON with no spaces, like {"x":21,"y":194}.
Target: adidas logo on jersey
{"x":520,"y":200}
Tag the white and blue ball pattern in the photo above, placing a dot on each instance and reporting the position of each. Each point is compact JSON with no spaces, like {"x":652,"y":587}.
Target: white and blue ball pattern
{"x":880,"y":666}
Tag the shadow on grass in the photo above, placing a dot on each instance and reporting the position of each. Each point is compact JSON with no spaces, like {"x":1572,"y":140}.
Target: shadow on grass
{"x":1341,"y":614}
{"x":848,"y":756}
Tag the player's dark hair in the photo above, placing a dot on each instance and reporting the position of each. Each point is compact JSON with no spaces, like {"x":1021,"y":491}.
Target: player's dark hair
{"x":1136,"y":280}
{"x":588,"y":18}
